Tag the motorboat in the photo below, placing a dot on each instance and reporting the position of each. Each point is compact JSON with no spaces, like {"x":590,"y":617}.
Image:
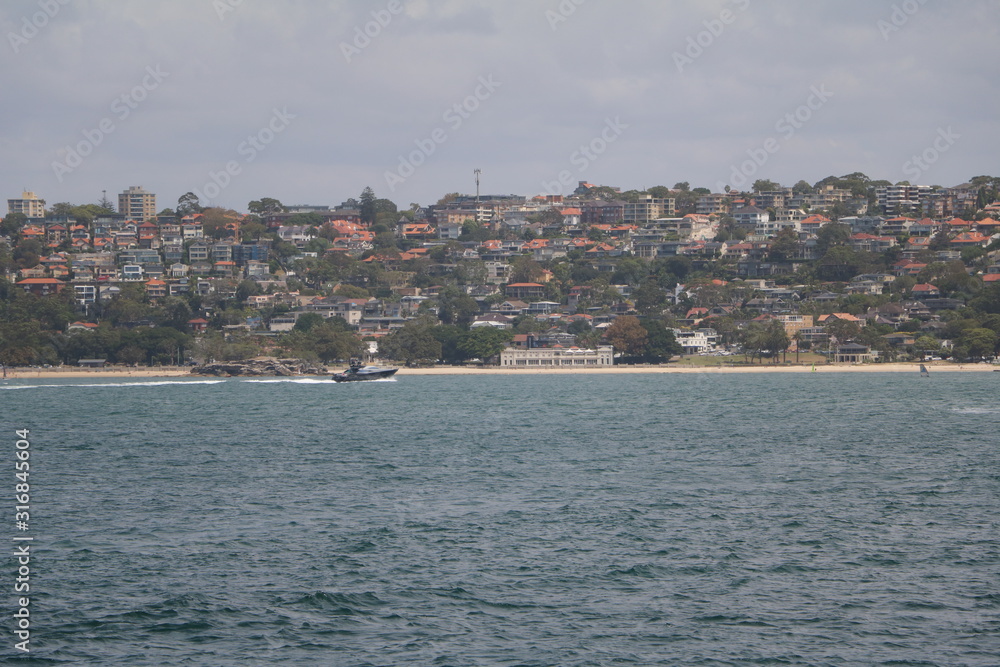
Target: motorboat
{"x":358,"y":373}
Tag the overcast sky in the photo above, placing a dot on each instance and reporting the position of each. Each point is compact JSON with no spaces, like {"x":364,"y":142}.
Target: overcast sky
{"x":242,"y":99}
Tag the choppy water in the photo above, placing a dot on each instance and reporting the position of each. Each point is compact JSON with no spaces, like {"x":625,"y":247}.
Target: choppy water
{"x":513,"y":520}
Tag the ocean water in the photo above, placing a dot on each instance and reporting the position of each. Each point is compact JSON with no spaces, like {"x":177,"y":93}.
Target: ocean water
{"x":786,"y":519}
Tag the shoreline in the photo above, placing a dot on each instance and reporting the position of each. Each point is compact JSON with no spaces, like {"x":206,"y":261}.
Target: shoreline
{"x":179,"y":372}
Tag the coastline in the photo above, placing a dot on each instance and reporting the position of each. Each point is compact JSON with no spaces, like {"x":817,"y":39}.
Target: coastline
{"x":177,"y":372}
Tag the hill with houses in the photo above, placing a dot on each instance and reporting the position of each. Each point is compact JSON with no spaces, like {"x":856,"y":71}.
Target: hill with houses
{"x":857,"y":270}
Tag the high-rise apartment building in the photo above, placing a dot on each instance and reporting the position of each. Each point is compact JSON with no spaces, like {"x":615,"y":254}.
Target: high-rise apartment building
{"x":137,"y":204}
{"x":29,"y":204}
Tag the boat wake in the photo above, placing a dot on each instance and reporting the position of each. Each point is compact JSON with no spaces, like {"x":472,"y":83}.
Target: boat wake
{"x":286,"y":380}
{"x":976,"y":411}
{"x":156,"y":383}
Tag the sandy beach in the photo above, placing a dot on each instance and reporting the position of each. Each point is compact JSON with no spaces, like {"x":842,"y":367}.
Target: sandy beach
{"x":175,"y":371}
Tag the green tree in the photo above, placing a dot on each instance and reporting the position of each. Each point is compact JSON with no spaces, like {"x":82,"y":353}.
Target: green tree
{"x":649,"y":297}
{"x":525,"y":270}
{"x":333,"y":343}
{"x":765,"y":185}
{"x":979,"y":343}
{"x":661,"y":343}
{"x":368,"y":209}
{"x":927,"y":345}
{"x":843,"y":330}
{"x":265,"y":207}
{"x":832,"y":235}
{"x":456,"y":307}
{"x":484,"y":343}
{"x":307,"y":321}
{"x":12,"y":224}
{"x":413,"y":342}
{"x":802,"y":188}
{"x":449,"y":335}
{"x":188,"y":204}
{"x":784,"y":245}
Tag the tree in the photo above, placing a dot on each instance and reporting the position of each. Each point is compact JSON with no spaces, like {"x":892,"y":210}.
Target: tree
{"x":927,"y":345}
{"x":331,"y":343}
{"x":368,"y":208}
{"x":833,"y":234}
{"x":979,"y":343}
{"x":802,"y":188}
{"x":456,"y":307}
{"x":988,"y":300}
{"x":649,"y":297}
{"x":352,"y":292}
{"x":661,"y":343}
{"x":843,"y":330}
{"x":307,"y":321}
{"x":413,"y":342}
{"x":628,"y":336}
{"x":484,"y":342}
{"x":265,"y":207}
{"x":188,"y":204}
{"x":784,"y":245}
{"x":840,"y":263}
{"x":765,"y":185}
{"x":525,"y":270}
{"x":449,"y":335}
{"x":12,"y":224}
{"x":218,"y":223}
{"x":252,"y":230}
{"x":765,"y":339}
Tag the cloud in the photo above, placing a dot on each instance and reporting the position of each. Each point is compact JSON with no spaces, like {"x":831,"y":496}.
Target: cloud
{"x":560,"y":82}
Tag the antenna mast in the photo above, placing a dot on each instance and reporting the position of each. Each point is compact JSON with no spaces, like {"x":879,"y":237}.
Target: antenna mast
{"x":477,"y":171}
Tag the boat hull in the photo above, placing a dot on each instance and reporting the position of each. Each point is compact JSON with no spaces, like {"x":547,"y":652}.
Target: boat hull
{"x":363,"y":375}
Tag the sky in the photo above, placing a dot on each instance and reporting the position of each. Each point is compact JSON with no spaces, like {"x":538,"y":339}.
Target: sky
{"x":310,"y":101}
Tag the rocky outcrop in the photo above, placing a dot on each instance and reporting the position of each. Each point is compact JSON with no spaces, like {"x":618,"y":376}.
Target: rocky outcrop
{"x":260,"y":367}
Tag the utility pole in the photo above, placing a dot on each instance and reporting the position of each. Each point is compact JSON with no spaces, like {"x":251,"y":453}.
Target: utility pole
{"x":477,"y":172}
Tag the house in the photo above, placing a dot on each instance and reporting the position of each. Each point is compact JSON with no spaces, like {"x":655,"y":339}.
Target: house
{"x":198,"y":324}
{"x":751,"y":216}
{"x":156,"y":289}
{"x":853,"y":353}
{"x":697,"y":341}
{"x":512,"y":307}
{"x":41,"y":286}
{"x":132,"y":272}
{"x":449,"y":230}
{"x":523,"y":291}
{"x":833,"y":317}
{"x":970,"y":240}
{"x":925,"y":290}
